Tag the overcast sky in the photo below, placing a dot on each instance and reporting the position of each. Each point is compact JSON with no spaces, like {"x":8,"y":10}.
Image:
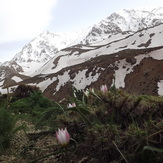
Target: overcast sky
{"x":23,"y":20}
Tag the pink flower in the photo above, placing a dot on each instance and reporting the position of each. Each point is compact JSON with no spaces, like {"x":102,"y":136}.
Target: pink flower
{"x":63,"y":137}
{"x":73,"y":105}
{"x":104,"y":89}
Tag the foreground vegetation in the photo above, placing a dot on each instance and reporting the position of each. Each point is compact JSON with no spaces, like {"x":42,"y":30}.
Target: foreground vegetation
{"x":104,"y":126}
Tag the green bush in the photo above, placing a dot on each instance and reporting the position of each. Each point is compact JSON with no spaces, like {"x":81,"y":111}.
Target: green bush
{"x":49,"y":118}
{"x":23,"y":91}
{"x":7,"y":128}
{"x":35,"y":102}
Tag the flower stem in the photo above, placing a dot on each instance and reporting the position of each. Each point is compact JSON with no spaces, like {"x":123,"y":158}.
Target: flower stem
{"x":67,"y":160}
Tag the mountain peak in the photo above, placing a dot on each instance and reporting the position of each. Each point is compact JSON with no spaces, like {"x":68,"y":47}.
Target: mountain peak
{"x":44,"y":47}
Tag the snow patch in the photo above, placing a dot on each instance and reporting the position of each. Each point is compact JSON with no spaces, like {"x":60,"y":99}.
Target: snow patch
{"x":157,"y":54}
{"x":125,"y":68}
{"x":160,"y":87}
{"x":80,"y":80}
{"x":62,"y":80}
{"x":44,"y":84}
{"x":16,"y":79}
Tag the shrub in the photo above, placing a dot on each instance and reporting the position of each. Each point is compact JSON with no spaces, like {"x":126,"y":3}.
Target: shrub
{"x":33,"y":105}
{"x":7,"y":127}
{"x":23,"y":91}
{"x":50,"y":118}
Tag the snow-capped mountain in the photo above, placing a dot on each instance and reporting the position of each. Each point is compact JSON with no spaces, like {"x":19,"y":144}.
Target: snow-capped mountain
{"x":151,"y":38}
{"x":133,"y":63}
{"x":42,"y":49}
{"x":118,"y":25}
{"x":119,"y":47}
{"x":121,"y":23}
{"x":125,"y":21}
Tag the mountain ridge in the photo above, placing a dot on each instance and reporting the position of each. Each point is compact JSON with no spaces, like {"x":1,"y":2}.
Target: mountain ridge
{"x":41,"y":62}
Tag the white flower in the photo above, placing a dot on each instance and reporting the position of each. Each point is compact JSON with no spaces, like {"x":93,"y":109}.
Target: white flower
{"x":63,"y":136}
{"x":73,"y":105}
{"x":104,"y":89}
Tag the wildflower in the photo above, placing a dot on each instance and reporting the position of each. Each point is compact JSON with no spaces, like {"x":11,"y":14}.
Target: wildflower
{"x":71,"y":105}
{"x":92,"y":90}
{"x":63,"y":137}
{"x":104,"y":89}
{"x":87,"y":92}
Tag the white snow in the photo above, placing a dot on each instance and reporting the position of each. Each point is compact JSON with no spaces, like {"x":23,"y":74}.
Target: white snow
{"x":125,"y":68}
{"x":134,"y":18}
{"x":110,"y":39}
{"x":157,"y":54}
{"x":160,"y":87}
{"x":16,"y":79}
{"x":62,"y":80}
{"x":50,"y":67}
{"x":30,"y":68}
{"x":81,"y":81}
{"x":44,"y":84}
{"x":121,"y":73}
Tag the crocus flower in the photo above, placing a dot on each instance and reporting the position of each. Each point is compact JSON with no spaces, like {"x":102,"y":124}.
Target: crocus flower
{"x":92,"y":90}
{"x":73,"y":105}
{"x":63,"y":137}
{"x":104,"y":89}
{"x":87,"y":92}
